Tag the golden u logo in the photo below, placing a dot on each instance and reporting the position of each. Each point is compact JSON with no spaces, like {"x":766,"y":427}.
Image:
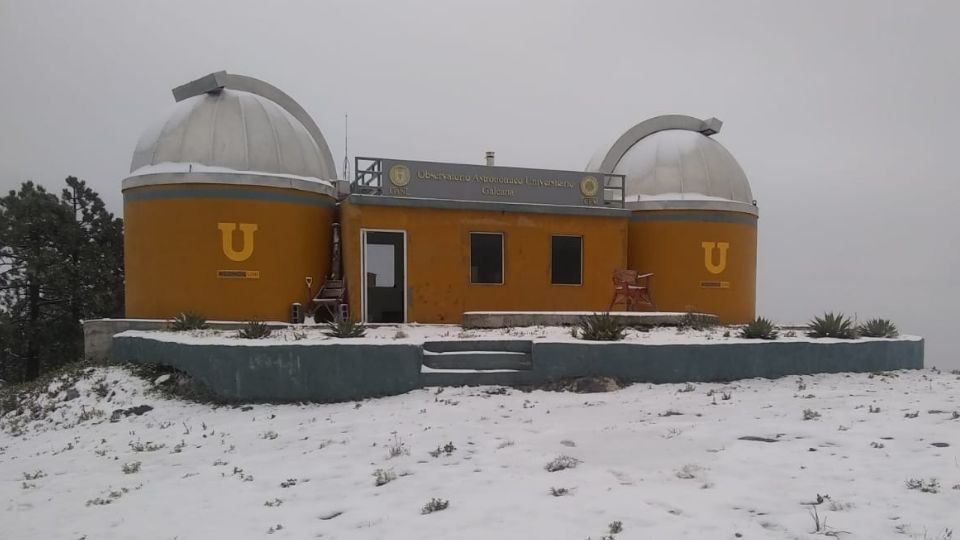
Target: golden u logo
{"x":226,"y":233}
{"x":708,"y":256}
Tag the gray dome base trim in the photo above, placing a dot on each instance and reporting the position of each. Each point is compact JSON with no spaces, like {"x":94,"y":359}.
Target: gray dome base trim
{"x":232,"y":179}
{"x":721,"y":206}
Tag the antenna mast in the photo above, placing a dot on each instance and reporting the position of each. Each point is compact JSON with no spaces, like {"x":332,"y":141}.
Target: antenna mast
{"x":346,"y":148}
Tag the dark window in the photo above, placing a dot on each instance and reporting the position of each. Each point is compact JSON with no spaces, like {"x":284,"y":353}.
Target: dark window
{"x":486,"y":258}
{"x":566,"y":261}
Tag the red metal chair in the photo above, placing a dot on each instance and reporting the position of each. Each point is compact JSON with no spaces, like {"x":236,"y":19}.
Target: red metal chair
{"x":632,"y":289}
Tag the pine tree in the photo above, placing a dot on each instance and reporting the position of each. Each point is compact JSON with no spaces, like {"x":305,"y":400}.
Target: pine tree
{"x":95,"y":264}
{"x":31,"y":225}
{"x":61,"y":261}
{"x":6,"y":337}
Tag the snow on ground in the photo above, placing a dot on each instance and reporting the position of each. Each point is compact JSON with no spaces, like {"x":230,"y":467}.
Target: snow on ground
{"x":418,"y":333}
{"x":665,"y":460}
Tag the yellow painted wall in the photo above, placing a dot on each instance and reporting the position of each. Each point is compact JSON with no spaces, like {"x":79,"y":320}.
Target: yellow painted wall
{"x":174,"y":249}
{"x":438,"y":259}
{"x":671,"y":245}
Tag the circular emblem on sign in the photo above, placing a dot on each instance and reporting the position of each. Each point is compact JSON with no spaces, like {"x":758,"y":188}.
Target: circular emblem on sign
{"x":399,"y":175}
{"x":589,"y":186}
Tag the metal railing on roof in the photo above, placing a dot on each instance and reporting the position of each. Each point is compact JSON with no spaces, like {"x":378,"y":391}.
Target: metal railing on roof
{"x":368,"y":180}
{"x":613,"y":190}
{"x":368,"y":176}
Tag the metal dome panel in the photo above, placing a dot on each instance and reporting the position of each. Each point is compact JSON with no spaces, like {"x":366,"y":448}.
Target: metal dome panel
{"x":670,"y":162}
{"x":682,"y":165}
{"x":234,"y":130}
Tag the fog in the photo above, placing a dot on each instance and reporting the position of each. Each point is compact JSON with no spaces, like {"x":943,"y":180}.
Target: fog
{"x":842,"y":114}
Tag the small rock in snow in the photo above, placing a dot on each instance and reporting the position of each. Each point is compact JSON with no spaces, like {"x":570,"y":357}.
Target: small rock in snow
{"x":72,"y":394}
{"x":330,"y":515}
{"x":757,"y":439}
{"x":138,"y":410}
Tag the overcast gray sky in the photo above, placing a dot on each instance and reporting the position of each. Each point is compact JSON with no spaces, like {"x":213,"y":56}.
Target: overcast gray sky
{"x":843,"y":114}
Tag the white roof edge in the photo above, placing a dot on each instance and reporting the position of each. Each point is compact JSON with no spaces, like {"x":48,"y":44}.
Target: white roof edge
{"x":723,"y":206}
{"x":241,"y":178}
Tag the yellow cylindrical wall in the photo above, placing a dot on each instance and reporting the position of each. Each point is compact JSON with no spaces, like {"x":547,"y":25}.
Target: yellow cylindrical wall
{"x":229,"y":252}
{"x":704,"y":261}
{"x":438,"y":259}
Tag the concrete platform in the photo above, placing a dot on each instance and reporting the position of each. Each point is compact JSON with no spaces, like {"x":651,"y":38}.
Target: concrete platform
{"x":98,"y":333}
{"x":509,"y":319}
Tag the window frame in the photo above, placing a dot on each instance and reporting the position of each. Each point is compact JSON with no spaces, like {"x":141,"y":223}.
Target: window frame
{"x":578,"y":236}
{"x":503,"y":258}
{"x":364,"y":315}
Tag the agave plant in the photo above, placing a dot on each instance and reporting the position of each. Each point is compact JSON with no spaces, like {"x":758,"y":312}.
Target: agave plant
{"x":254,"y":330}
{"x":880,"y":328}
{"x":831,"y":325}
{"x":345,"y":327}
{"x":759,"y":328}
{"x":599,"y":327}
{"x":188,"y":320}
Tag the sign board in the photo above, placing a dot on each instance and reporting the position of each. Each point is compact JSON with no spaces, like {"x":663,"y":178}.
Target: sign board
{"x":427,"y":179}
{"x":238,"y":274}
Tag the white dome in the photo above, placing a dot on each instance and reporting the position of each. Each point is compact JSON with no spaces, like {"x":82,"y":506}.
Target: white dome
{"x":679,"y":165}
{"x":232,"y":130}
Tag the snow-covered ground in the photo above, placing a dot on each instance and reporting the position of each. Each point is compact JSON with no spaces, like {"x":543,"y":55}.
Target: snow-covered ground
{"x":418,"y":333}
{"x":667,"y":461}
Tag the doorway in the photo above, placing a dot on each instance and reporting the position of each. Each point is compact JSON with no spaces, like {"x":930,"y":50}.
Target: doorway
{"x":384,"y":276}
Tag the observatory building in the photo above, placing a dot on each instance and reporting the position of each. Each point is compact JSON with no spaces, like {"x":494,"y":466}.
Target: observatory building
{"x":693,"y":219}
{"x":228,"y":206}
{"x":234,"y":209}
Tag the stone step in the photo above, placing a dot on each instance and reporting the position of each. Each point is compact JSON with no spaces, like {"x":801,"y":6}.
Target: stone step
{"x":467,"y":377}
{"x":478,"y":360}
{"x":502,"y":345}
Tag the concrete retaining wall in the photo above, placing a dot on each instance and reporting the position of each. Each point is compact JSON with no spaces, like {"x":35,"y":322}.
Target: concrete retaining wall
{"x":285,"y":372}
{"x":721,"y":362}
{"x":342,"y":372}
